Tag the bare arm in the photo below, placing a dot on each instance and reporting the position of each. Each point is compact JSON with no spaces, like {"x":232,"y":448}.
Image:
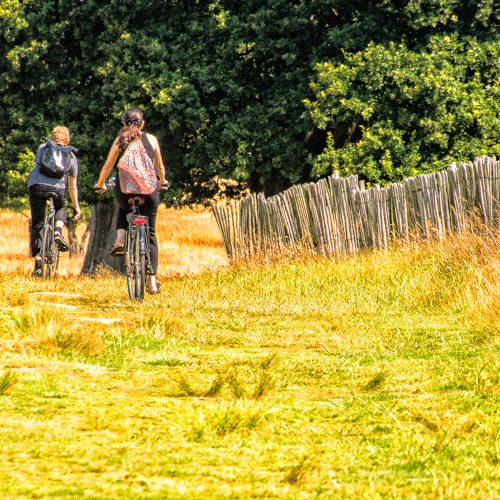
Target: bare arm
{"x":73,"y":193}
{"x":108,"y":166}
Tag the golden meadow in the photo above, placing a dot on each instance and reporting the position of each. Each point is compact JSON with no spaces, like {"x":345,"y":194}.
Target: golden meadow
{"x":372,"y":376}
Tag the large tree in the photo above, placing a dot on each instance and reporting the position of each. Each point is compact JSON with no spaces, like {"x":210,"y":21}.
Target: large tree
{"x":223,"y":85}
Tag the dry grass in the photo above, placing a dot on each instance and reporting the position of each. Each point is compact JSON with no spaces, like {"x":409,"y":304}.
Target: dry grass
{"x":189,"y":242}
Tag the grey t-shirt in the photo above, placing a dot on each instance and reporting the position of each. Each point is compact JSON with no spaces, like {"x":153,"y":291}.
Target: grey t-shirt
{"x":36,"y":177}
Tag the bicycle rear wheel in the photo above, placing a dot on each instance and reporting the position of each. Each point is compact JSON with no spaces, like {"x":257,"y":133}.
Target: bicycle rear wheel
{"x":129,"y":263}
{"x":139,"y":269}
{"x":50,"y":253}
{"x":135,"y":263}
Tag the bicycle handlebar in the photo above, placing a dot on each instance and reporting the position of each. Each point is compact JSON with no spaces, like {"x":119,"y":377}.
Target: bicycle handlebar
{"x":111,"y":182}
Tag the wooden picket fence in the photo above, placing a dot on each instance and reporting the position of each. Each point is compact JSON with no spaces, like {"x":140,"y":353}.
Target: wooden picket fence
{"x":337,"y":216}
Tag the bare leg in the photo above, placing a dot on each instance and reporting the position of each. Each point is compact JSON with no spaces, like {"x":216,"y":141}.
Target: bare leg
{"x":120,"y":237}
{"x":152,"y":285}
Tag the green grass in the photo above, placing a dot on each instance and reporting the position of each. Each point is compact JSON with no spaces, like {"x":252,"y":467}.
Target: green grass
{"x":376,"y":376}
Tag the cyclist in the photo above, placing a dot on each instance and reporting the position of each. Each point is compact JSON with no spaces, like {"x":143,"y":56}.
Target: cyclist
{"x":132,"y":130}
{"x":39,"y":186}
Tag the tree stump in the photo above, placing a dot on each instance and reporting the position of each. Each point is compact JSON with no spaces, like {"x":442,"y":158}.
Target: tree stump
{"x":102,"y":237}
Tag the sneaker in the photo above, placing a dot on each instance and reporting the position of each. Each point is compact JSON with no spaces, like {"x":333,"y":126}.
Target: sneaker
{"x":37,"y":272}
{"x":61,"y":244}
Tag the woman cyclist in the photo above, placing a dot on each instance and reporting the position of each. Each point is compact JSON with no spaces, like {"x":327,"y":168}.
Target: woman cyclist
{"x":39,"y":185}
{"x":132,"y":130}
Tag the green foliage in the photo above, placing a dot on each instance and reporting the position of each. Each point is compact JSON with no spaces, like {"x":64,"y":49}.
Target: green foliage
{"x":11,"y":20}
{"x":391,"y":111}
{"x":17,"y":177}
{"x":414,"y":111}
{"x":223,"y":85}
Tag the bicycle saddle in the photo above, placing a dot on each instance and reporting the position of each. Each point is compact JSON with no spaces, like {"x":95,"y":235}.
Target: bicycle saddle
{"x":50,"y":194}
{"x":136,"y":200}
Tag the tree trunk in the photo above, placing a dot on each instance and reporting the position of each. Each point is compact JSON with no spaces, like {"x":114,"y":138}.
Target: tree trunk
{"x":102,"y":237}
{"x":76,"y":248}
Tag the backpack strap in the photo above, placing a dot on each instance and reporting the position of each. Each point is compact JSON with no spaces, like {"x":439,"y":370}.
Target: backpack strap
{"x":63,"y":149}
{"x":148,"y":146}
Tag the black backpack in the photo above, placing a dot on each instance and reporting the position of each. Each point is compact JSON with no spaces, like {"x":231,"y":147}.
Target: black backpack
{"x":56,"y":160}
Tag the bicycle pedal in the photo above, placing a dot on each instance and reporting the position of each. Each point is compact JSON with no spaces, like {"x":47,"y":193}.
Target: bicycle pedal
{"x":118,"y":250}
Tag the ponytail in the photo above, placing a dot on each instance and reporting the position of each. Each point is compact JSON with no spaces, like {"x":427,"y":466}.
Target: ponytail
{"x":132,"y":121}
{"x":126,"y":135}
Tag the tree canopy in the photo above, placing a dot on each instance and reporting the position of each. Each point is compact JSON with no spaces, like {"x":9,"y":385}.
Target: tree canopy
{"x":265,"y":93}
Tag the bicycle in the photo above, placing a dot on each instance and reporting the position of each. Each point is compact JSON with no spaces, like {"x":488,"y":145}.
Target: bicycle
{"x":50,"y":250}
{"x":137,"y":256}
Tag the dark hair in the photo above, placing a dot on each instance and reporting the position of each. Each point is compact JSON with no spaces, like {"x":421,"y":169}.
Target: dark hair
{"x":132,"y":120}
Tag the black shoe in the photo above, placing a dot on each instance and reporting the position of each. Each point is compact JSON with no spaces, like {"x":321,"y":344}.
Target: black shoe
{"x":37,"y":272}
{"x":61,"y":244}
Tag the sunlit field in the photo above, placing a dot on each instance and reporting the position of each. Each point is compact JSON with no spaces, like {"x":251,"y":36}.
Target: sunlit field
{"x":375,"y":376}
{"x":189,"y":242}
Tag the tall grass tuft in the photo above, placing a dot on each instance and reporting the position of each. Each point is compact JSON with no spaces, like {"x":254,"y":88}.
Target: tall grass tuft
{"x":7,"y":381}
{"x":75,"y":344}
{"x":375,"y":382}
{"x":254,"y":380}
{"x":186,"y":388}
{"x":297,"y":473}
{"x":229,"y":418}
{"x":264,"y":383}
{"x":213,"y":389}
